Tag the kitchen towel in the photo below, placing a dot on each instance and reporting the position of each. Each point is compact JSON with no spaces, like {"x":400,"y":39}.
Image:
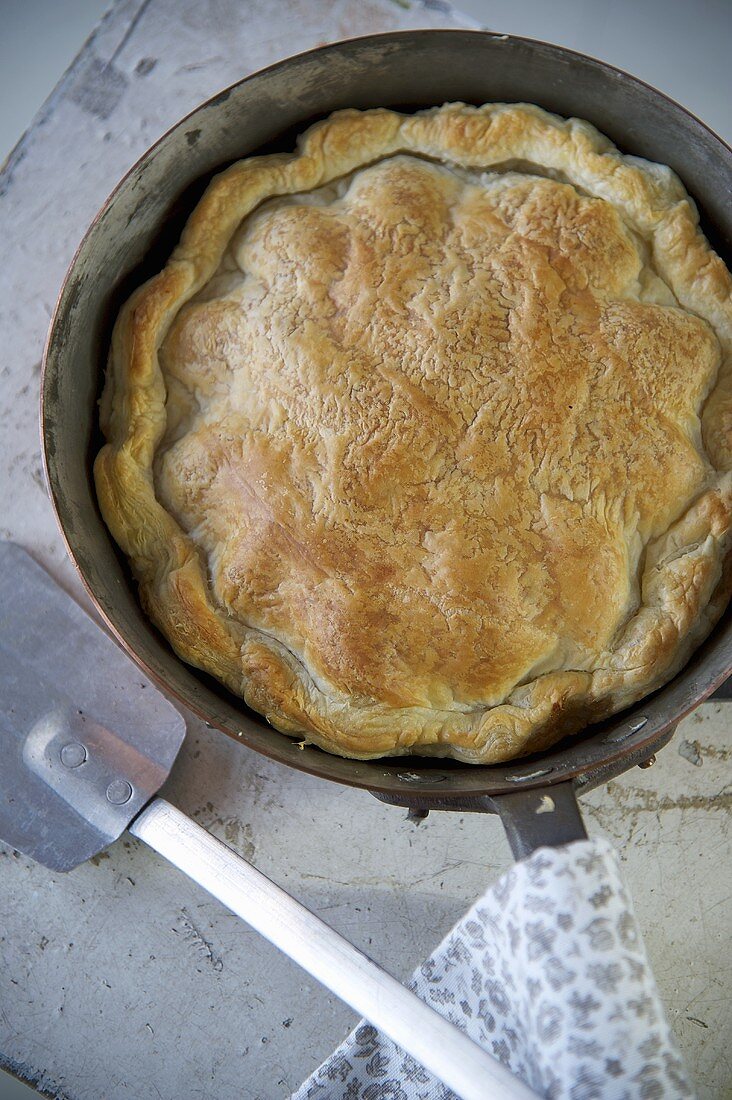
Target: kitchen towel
{"x":548,"y":972}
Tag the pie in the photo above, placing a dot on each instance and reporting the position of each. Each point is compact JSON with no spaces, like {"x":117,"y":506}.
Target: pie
{"x":421,"y":441}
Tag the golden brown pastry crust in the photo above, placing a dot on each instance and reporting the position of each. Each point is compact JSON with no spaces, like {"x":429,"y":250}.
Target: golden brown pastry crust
{"x":437,"y":460}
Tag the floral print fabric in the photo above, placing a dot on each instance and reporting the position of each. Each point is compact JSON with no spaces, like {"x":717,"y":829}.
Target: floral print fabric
{"x":548,"y":973}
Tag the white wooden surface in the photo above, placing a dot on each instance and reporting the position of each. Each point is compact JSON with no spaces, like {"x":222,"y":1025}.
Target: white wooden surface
{"x":121,"y":980}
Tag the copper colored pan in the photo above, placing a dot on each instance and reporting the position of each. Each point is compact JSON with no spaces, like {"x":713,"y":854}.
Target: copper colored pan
{"x":130,"y":240}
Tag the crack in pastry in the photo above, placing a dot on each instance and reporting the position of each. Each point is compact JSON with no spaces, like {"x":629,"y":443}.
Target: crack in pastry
{"x":421,"y":442}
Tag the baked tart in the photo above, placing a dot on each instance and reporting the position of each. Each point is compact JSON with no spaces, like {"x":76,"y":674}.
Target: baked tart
{"x":421,"y":441}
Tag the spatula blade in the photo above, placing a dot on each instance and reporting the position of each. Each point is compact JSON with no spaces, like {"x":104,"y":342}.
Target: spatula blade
{"x":85,"y":739}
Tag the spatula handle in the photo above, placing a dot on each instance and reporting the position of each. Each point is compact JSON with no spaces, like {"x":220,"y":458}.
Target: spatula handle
{"x":439,"y":1046}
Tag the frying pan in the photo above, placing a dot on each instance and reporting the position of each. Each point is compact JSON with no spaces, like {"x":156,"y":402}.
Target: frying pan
{"x":130,"y":240}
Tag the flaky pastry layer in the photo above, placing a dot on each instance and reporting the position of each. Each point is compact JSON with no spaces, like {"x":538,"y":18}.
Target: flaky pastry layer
{"x":421,"y":441}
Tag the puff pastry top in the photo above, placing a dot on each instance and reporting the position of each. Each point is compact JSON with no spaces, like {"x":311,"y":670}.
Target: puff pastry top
{"x":421,"y":440}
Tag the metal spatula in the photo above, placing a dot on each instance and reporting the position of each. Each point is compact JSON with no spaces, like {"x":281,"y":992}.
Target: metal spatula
{"x":86,"y":742}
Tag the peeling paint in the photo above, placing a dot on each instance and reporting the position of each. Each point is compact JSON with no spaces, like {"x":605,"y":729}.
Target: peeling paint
{"x":639,"y":800}
{"x":690,"y":751}
{"x":41,"y":1081}
{"x":193,"y":935}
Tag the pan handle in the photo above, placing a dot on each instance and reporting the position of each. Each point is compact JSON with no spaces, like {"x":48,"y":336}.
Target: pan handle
{"x":540,"y":817}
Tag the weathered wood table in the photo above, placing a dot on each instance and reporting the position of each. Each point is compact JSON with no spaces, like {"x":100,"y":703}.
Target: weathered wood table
{"x":121,"y":979}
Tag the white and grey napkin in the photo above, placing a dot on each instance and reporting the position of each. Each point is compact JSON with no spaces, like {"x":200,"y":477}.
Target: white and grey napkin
{"x":548,"y":972}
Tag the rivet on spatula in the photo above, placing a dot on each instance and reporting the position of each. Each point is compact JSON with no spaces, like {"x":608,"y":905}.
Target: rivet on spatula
{"x":119,"y":791}
{"x":73,"y":754}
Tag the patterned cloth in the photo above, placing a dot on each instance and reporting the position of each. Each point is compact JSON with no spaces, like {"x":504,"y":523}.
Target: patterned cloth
{"x":548,"y":972}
